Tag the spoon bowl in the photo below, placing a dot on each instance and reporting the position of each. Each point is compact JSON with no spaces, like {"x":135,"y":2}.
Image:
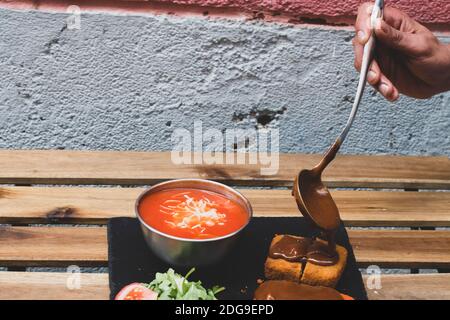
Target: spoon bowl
{"x":314,"y":200}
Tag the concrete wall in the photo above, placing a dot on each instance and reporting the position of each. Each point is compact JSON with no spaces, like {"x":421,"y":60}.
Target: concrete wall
{"x":126,"y":82}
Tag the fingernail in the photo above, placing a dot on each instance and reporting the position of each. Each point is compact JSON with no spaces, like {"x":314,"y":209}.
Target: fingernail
{"x":369,"y":9}
{"x":395,"y":95}
{"x":384,"y":89}
{"x":371,"y":76}
{"x":361,"y":36}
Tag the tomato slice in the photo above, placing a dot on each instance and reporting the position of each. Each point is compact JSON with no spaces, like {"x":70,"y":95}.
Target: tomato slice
{"x":136,"y":291}
{"x":346,"y":297}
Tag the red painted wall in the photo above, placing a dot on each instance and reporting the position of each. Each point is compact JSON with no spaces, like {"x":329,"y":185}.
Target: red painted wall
{"x":435,"y":12}
{"x":428,"y":11}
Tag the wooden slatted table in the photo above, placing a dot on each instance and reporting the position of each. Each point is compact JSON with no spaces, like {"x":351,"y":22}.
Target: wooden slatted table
{"x":43,"y":194}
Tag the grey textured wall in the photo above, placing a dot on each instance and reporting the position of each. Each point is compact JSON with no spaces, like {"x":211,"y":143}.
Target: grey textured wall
{"x":125,"y":83}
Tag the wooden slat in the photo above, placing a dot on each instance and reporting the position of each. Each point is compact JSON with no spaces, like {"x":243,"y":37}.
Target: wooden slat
{"x":96,"y":205}
{"x":109,"y":167}
{"x":412,"y":287}
{"x":56,"y":246}
{"x":52,"y":246}
{"x":401,"y":248}
{"x":52,"y":285}
{"x":65,"y":204}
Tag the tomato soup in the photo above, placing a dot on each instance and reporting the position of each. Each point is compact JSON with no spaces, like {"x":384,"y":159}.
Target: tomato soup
{"x":192,"y":213}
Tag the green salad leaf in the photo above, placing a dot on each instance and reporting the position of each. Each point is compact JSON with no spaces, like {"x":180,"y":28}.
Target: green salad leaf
{"x":173,"y":286}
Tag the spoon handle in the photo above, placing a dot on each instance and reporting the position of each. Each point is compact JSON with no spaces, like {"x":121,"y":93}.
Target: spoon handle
{"x":369,"y":48}
{"x":367,"y":59}
{"x":377,"y":12}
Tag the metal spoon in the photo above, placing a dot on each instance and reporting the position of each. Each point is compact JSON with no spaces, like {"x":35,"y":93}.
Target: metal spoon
{"x":312,"y":196}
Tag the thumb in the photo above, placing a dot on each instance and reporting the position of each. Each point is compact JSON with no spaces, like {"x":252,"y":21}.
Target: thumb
{"x":394,"y":38}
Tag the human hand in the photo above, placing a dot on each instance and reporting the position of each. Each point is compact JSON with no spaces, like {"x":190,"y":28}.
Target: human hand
{"x":408,"y":58}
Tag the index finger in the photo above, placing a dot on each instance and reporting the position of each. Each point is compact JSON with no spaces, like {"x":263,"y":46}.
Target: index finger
{"x":362,"y":24}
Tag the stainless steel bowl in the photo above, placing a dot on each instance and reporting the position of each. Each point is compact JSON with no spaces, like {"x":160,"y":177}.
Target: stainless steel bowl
{"x":191,"y":252}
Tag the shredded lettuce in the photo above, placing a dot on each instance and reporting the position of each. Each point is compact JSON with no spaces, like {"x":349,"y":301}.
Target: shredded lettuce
{"x":173,"y":286}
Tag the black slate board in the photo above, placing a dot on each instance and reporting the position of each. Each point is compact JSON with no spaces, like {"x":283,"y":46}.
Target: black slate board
{"x":130,"y":260}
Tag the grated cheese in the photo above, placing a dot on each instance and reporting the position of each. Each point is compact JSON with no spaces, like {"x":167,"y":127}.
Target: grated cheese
{"x":192,"y":214}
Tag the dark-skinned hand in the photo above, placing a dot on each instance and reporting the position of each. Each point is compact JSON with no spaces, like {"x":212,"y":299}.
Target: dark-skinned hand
{"x":409,"y":59}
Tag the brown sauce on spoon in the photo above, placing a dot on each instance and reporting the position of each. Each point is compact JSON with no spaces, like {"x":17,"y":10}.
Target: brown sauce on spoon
{"x":320,"y":205}
{"x":288,"y":290}
{"x":295,"y":249}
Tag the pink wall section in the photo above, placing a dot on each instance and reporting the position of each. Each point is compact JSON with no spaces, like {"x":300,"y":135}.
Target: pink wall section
{"x":434,"y":12}
{"x":429,"y":11}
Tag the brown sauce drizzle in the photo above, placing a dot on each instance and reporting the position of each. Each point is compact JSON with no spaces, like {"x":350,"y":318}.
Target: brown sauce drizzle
{"x":296,"y":249}
{"x":290,"y":248}
{"x":317,"y":205}
{"x":288,"y":290}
